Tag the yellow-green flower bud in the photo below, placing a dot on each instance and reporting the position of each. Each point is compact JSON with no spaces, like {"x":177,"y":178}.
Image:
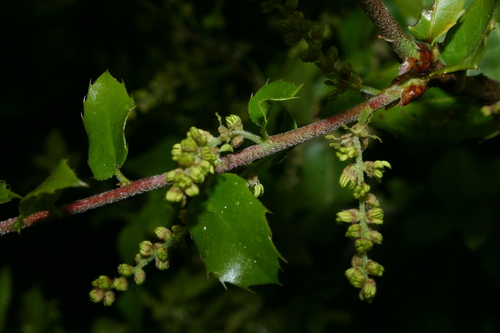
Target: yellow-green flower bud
{"x":258,"y":190}
{"x":174,"y":194}
{"x":333,"y":55}
{"x":163,"y":233}
{"x":375,"y":215}
{"x":96,"y":295}
{"x":184,"y":159}
{"x":308,"y":56}
{"x":317,"y":30}
{"x":355,"y":276}
{"x":139,"y":276}
{"x":376,"y":237}
{"x":267,"y":6}
{"x":374,"y":268}
{"x":162,"y":265}
{"x":120,"y":284}
{"x":146,"y":249}
{"x":189,"y":145}
{"x":363,"y":245}
{"x":291,"y":5}
{"x":285,"y":25}
{"x":176,"y":149}
{"x":125,"y":270}
{"x":371,"y":201}
{"x":109,"y":298}
{"x":226,"y":148}
{"x":192,"y":190}
{"x":361,"y":190}
{"x":103,"y":282}
{"x":315,"y":46}
{"x":356,"y":261}
{"x":348,"y":216}
{"x":368,"y":291}
{"x":292,"y":37}
{"x":349,"y":177}
{"x":194,"y":133}
{"x":197,"y":174}
{"x":178,"y":232}
{"x":345,"y":153}
{"x":138,"y":258}
{"x":354,"y":231}
{"x":162,"y":253}
{"x":234,"y":122}
{"x":305,"y":25}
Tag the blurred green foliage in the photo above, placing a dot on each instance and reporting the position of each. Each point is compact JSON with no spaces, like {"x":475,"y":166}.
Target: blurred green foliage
{"x":183,"y":61}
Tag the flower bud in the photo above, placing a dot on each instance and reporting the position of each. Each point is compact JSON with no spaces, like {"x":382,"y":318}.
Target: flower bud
{"x":317,"y":30}
{"x":96,"y":295}
{"x":162,"y":253}
{"x":355,"y":276}
{"x":139,"y":276}
{"x":196,"y":173}
{"x":226,"y":148}
{"x":103,"y":282}
{"x":163,"y":233}
{"x":194,"y":133}
{"x":292,"y":37}
{"x":192,"y":190}
{"x":176,"y":149}
{"x":285,"y":25}
{"x":125,"y":270}
{"x":291,"y":5}
{"x":174,"y":194}
{"x":349,"y":177}
{"x":371,"y":201}
{"x":315,"y":46}
{"x":120,"y":284}
{"x":258,"y":190}
{"x":146,"y":248}
{"x":375,"y":215}
{"x":184,"y":159}
{"x":234,"y":122}
{"x":305,"y":25}
{"x":356,"y":261}
{"x":237,"y":141}
{"x":354,"y":231}
{"x":363,"y":245}
{"x":138,"y":258}
{"x":361,"y":190}
{"x":308,"y":56}
{"x":109,"y":298}
{"x":267,"y":6}
{"x":374,"y":268}
{"x":189,"y":145}
{"x":162,"y":265}
{"x":376,"y":237}
{"x":368,"y":291}
{"x":348,"y":216}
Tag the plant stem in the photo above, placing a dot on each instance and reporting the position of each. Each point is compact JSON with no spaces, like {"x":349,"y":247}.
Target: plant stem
{"x":275,"y":144}
{"x":390,"y":29}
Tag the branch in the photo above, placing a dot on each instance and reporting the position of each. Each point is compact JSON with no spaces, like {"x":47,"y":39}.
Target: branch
{"x":390,"y":29}
{"x":275,"y":144}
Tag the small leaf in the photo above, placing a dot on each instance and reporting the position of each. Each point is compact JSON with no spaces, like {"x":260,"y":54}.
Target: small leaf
{"x":105,"y":113}
{"x":259,"y":104}
{"x":229,"y":227}
{"x":6,"y":194}
{"x":437,"y":21}
{"x":465,"y":43}
{"x":46,"y":194}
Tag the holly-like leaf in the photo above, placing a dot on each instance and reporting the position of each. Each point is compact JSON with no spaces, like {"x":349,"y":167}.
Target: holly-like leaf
{"x":465,"y":43}
{"x":6,"y":194}
{"x":229,"y":227}
{"x":260,"y":103}
{"x":435,"y":22}
{"x":106,"y":109}
{"x":45,"y":195}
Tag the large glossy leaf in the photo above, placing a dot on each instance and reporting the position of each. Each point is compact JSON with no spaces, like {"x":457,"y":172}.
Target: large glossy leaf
{"x":230,"y":229}
{"x":45,"y":195}
{"x":106,"y":109}
{"x":435,"y":22}
{"x":260,"y":103}
{"x":465,"y":43}
{"x":6,"y":194}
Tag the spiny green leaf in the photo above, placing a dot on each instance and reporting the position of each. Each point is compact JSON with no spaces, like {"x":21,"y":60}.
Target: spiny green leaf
{"x":106,"y":109}
{"x":6,"y":194}
{"x":465,"y":42}
{"x":435,"y":22}
{"x":45,"y":195}
{"x":260,"y":103}
{"x":229,"y":227}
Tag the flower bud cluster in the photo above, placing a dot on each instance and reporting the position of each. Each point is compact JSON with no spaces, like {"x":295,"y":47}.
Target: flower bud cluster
{"x":158,"y":252}
{"x":196,"y":160}
{"x":369,"y":213}
{"x":227,"y":134}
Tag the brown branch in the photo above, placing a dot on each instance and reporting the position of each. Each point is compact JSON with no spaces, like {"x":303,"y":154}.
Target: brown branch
{"x":275,"y":144}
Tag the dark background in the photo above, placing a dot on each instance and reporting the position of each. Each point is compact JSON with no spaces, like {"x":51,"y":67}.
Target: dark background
{"x":182,"y":62}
